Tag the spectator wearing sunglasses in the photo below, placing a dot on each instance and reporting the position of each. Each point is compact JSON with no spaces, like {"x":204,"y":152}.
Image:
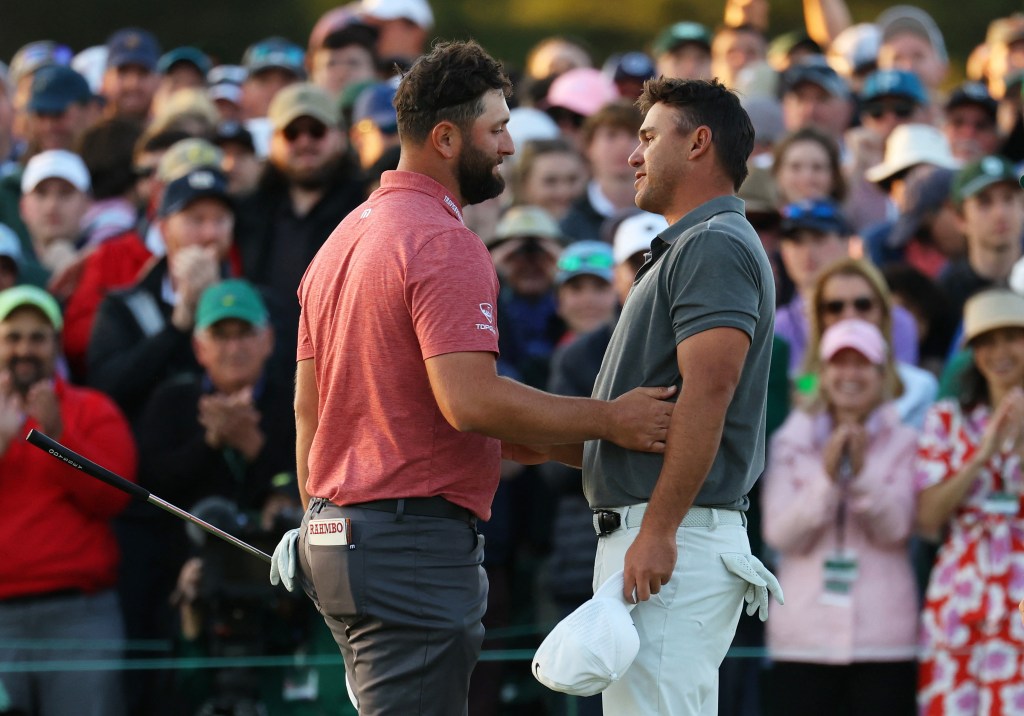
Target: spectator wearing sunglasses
{"x":854,"y":289}
{"x":814,"y":234}
{"x":891,"y":98}
{"x":309,"y":184}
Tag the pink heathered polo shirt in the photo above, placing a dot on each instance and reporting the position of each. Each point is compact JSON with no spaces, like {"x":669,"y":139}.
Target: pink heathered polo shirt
{"x":400,"y":280}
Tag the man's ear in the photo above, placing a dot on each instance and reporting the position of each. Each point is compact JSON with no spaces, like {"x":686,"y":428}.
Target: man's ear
{"x":446,"y":139}
{"x":700,"y":141}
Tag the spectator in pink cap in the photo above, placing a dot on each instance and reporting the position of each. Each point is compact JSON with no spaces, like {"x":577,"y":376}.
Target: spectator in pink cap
{"x":576,"y":95}
{"x":838,"y":505}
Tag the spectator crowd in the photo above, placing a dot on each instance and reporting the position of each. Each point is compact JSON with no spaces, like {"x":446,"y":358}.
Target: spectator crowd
{"x":158,"y":208}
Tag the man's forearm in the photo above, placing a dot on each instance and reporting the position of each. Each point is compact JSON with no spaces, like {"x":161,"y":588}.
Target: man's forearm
{"x":694,"y":436}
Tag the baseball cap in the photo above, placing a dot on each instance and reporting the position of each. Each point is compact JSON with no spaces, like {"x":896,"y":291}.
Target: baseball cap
{"x":591,"y":648}
{"x":582,"y":90}
{"x":974,"y":93}
{"x":230,"y":131}
{"x":855,"y":333}
{"x":679,"y":34}
{"x":766,"y":117}
{"x":55,"y":164}
{"x":190,"y":55}
{"x":417,"y":11}
{"x":855,"y":49}
{"x":625,"y":66}
{"x":815,"y":72}
{"x":376,"y":104}
{"x":203,"y":183}
{"x":91,"y":63}
{"x":894,"y":83}
{"x":187,"y":155}
{"x":338,"y":18}
{"x":10,"y":245}
{"x":907,"y":18}
{"x":133,"y":46}
{"x":981,"y":174}
{"x":635,"y":234}
{"x":27,"y":295}
{"x":225,"y":82}
{"x":302,"y":99}
{"x":56,"y":87}
{"x":233,"y":298}
{"x":36,"y":55}
{"x":815,"y":214}
{"x":909,"y":145}
{"x":759,"y":192}
{"x":989,"y":310}
{"x":275,"y":53}
{"x":526,"y":221}
{"x":927,"y":190}
{"x":585,"y":258}
{"x":525,"y":124}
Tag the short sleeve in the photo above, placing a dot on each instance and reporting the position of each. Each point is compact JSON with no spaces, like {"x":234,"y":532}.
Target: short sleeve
{"x":452,"y":293}
{"x":714,"y":282}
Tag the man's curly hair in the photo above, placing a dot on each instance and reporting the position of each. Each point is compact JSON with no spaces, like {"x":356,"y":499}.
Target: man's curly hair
{"x":447,"y":85}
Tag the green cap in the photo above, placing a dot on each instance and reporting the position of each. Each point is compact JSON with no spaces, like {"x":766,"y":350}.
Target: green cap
{"x":233,"y":298}
{"x":25,"y":295}
{"x":302,"y":99}
{"x":679,"y":34}
{"x":981,"y":174}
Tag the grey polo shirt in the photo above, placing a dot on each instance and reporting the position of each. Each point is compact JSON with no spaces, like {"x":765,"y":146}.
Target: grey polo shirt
{"x":707,"y":270}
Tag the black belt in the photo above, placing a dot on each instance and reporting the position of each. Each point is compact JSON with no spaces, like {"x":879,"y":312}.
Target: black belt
{"x":421,"y":507}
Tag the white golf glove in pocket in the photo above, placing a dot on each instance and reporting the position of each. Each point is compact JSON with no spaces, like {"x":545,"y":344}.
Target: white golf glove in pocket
{"x":284,"y":560}
{"x":759,"y":580}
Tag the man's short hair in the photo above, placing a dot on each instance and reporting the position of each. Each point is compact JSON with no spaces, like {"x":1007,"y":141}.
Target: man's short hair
{"x":447,"y":85}
{"x":711,"y":104}
{"x":621,"y":114}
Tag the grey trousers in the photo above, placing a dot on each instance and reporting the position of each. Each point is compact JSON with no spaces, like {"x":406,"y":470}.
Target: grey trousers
{"x":404,"y":605}
{"x":72,"y":630}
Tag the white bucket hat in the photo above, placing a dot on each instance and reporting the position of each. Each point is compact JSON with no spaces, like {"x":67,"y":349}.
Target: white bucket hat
{"x":910,"y":145}
{"x":592,"y":647}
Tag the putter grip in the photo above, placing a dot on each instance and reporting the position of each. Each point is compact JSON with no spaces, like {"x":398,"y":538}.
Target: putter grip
{"x":72,"y":458}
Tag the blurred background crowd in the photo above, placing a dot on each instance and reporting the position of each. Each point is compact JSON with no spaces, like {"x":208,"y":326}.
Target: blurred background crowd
{"x":159,"y":205}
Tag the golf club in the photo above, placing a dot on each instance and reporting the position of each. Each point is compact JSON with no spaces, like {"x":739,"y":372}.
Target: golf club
{"x":70,"y":457}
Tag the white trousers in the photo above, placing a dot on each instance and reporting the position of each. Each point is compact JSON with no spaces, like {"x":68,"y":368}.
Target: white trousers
{"x":685,"y":630}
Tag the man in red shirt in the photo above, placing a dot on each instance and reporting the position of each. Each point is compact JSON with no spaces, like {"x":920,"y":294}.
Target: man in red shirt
{"x":400,"y":413}
{"x":60,"y":558}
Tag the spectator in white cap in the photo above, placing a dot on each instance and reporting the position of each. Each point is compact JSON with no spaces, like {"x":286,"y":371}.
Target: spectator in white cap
{"x":225,"y":90}
{"x":912,"y":41}
{"x":54,"y":200}
{"x":403,"y":27}
{"x":854,"y":53}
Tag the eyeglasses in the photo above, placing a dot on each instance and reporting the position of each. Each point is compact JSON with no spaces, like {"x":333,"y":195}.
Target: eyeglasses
{"x":293,"y":131}
{"x":901,"y":108}
{"x":861,"y":304}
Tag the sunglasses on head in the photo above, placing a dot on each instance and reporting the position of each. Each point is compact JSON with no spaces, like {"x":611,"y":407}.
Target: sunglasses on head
{"x":313,"y":129}
{"x":902,"y":109}
{"x":861,"y":304}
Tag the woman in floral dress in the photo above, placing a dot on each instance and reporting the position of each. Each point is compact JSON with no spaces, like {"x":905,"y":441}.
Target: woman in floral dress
{"x":969,"y":475}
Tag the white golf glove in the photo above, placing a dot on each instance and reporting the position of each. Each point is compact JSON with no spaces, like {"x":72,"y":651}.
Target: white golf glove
{"x":284,"y":559}
{"x":759,"y":580}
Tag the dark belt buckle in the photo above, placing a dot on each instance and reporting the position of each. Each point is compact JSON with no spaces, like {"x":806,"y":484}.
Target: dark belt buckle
{"x":606,"y":522}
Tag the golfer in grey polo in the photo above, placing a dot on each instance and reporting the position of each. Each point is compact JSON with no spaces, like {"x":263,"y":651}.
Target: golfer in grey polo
{"x":700,"y":316}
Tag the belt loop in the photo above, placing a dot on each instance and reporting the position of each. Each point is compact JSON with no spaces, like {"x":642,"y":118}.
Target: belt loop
{"x":625,"y":517}
{"x":319,"y":504}
{"x":400,"y":512}
{"x":714,"y":519}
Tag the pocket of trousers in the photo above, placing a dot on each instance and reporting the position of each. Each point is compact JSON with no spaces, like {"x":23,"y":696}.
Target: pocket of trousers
{"x":339,"y":578}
